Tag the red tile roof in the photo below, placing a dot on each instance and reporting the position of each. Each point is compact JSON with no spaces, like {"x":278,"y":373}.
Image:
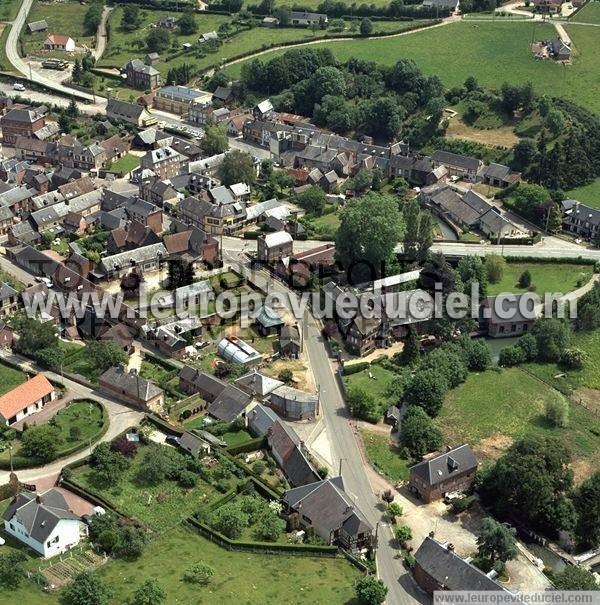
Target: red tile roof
{"x":24,"y":395}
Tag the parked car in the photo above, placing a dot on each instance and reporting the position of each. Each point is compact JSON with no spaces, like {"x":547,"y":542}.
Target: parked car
{"x":18,"y":86}
{"x":172,"y":440}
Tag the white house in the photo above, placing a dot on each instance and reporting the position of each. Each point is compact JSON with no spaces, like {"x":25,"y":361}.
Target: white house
{"x":26,"y":399}
{"x":43,"y":522}
{"x":59,"y":42}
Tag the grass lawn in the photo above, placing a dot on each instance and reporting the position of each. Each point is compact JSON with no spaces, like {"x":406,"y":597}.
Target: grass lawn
{"x":139,"y":501}
{"x":324,"y":226}
{"x":86,"y":416}
{"x":491,"y":52}
{"x":62,"y":18}
{"x":9,"y":9}
{"x":546,"y":277}
{"x":10,"y":378}
{"x":240,"y":578}
{"x":236,"y":437}
{"x":590,"y":13}
{"x":77,"y":361}
{"x":166,"y":379}
{"x":126,"y":164}
{"x":384,"y":456}
{"x":587,"y":194}
{"x":491,"y":409}
{"x":587,"y":378}
{"x":377,"y":385}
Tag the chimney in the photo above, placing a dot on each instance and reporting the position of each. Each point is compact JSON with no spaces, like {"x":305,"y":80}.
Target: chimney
{"x":39,"y":499}
{"x":451,"y":547}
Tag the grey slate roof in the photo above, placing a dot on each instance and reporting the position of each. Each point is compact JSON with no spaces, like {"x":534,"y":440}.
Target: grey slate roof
{"x":139,"y":255}
{"x":260,"y":420}
{"x":450,"y":570}
{"x":327,"y":505}
{"x":443,"y":466}
{"x":39,"y":514}
{"x":229,"y":404}
{"x":131,"y":383}
{"x":454,"y":159}
{"x":258,"y":384}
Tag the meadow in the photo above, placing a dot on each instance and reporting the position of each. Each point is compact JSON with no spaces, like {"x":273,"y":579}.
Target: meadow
{"x":590,"y":13}
{"x":491,"y":52}
{"x":123,"y":46}
{"x":240,"y":578}
{"x":64,"y":18}
{"x":493,"y":408}
{"x":546,"y":277}
{"x":10,"y":378}
{"x":587,"y":194}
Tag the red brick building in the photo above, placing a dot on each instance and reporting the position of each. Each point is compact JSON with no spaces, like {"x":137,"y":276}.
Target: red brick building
{"x":21,"y":122}
{"x":452,"y":471}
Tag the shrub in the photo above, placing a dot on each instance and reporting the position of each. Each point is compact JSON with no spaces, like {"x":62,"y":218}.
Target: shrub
{"x":200,"y":573}
{"x":573,"y":358}
{"x":557,"y":412}
{"x":403,"y":534}
{"x":394,"y":510}
{"x":123,"y":446}
{"x":511,"y":356}
{"x":355,"y":368}
{"x":460,"y":505}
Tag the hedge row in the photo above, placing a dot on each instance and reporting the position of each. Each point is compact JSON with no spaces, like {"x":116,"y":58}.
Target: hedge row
{"x":163,"y":425}
{"x":559,"y":261}
{"x":265,"y":489}
{"x":355,"y":368}
{"x":91,"y":496}
{"x":266,"y":547}
{"x":252,"y":445}
{"x":23,"y":462}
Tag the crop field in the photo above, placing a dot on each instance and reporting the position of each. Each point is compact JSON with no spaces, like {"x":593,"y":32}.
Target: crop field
{"x":491,"y":52}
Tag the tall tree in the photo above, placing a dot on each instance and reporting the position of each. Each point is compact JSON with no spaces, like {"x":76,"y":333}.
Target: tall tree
{"x":424,"y":235}
{"x":370,"y":228}
{"x":496,"y":541}
{"x":237,"y":167}
{"x":587,"y":504}
{"x":215,"y":141}
{"x":410,"y":213}
{"x":86,"y":589}
{"x":418,"y":433}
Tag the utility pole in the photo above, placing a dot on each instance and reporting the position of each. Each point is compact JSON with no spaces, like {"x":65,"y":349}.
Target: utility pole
{"x":11,"y":458}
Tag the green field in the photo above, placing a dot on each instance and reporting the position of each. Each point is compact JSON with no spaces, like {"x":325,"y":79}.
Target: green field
{"x":546,"y":277}
{"x":78,"y":362}
{"x":124,"y":45}
{"x":62,"y":18}
{"x":492,"y":52}
{"x":240,"y":578}
{"x":590,"y":13}
{"x":492,"y":408}
{"x":588,"y":194}
{"x":588,"y":377}
{"x":140,"y":501}
{"x":9,"y":9}
{"x":324,"y":226}
{"x":10,"y":378}
{"x":384,"y":456}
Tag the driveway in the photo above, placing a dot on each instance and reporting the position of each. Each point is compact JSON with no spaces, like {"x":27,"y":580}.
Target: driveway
{"x":121,"y":417}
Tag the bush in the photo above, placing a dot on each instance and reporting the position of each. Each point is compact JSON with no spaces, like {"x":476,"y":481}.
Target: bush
{"x":403,"y":534}
{"x":573,"y":358}
{"x":394,"y":510}
{"x":557,"y":412}
{"x":200,"y":573}
{"x":459,"y":505}
{"x":511,"y":356}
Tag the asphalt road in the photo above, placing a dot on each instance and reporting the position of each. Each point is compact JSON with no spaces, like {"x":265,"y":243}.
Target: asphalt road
{"x":344,"y":447}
